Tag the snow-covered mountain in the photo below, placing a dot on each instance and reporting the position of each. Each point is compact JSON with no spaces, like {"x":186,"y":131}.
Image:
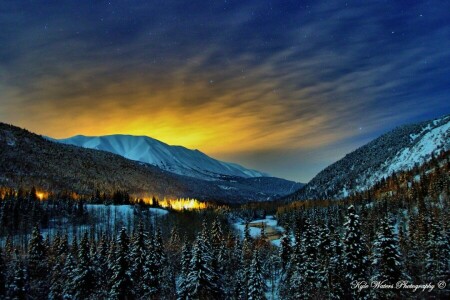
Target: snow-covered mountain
{"x":398,"y":150}
{"x":175,"y":159}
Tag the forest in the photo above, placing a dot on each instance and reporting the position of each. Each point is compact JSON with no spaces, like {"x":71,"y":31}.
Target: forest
{"x":389,"y":242}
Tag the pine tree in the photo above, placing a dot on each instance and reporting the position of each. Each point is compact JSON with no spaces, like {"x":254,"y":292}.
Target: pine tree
{"x":17,"y":290}
{"x":437,"y":253}
{"x":355,"y":257}
{"x":183,"y":279}
{"x":138,"y":257}
{"x":36,"y":253}
{"x":202,"y":281}
{"x":304,"y":282}
{"x":2,"y":275}
{"x":37,"y":264}
{"x":336,"y":270}
{"x":285,"y":250}
{"x":387,"y":263}
{"x":121,"y":284}
{"x":256,"y":283}
{"x":57,"y":279}
{"x":84,"y":281}
{"x":68,"y":275}
{"x":101,"y":266}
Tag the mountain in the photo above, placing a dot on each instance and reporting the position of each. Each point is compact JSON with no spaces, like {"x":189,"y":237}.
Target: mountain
{"x":27,"y":160}
{"x":401,"y":149}
{"x":175,"y":159}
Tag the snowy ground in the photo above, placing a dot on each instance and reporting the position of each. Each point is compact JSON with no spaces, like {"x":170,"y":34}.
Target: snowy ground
{"x":111,"y":217}
{"x":255,"y":229}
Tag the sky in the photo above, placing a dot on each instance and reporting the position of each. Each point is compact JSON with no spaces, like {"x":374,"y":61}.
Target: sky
{"x":285,"y":87}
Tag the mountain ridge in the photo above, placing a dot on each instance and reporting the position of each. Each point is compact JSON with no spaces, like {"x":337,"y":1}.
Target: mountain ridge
{"x":397,"y":150}
{"x":28,"y":159}
{"x":176,"y":159}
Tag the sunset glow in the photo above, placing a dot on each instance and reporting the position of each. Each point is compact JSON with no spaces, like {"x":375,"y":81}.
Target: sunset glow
{"x":262,"y":84}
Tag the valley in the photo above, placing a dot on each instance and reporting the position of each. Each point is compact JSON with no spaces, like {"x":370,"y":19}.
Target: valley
{"x":74,"y":224}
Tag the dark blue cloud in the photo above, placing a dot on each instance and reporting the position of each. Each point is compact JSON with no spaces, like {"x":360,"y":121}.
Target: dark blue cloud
{"x":322,"y":76}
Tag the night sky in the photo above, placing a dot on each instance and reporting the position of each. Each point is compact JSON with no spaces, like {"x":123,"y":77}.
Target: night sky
{"x":286,"y":87}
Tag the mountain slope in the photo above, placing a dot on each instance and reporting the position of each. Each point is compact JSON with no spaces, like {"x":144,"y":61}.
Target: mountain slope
{"x":27,"y":160}
{"x":400,"y":149}
{"x":175,"y":159}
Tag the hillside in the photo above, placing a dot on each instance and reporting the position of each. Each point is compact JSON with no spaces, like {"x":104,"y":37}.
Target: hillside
{"x":397,"y":150}
{"x":27,"y":160}
{"x":175,"y":159}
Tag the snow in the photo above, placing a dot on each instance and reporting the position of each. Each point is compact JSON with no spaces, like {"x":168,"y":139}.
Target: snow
{"x":176,"y":159}
{"x":121,"y":210}
{"x":119,"y":216}
{"x":255,"y":232}
{"x":430,"y":140}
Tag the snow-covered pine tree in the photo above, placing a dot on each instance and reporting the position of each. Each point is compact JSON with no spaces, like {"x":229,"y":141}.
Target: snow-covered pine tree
{"x":182,"y":280}
{"x":202,"y":281}
{"x":437,"y":253}
{"x":324,"y":255}
{"x":256,"y":284}
{"x":216,"y":235}
{"x":355,"y":255}
{"x":62,"y":248}
{"x":36,"y":253}
{"x":2,"y":275}
{"x":84,"y":280}
{"x":387,"y":263}
{"x":285,"y":250}
{"x":121,"y":285}
{"x":138,"y":257}
{"x":304,"y":282}
{"x":68,"y":275}
{"x":152,"y":272}
{"x":174,"y":240}
{"x":57,"y":277}
{"x":37,"y":264}
{"x":101,"y":266}
{"x":294,"y":262}
{"x":336,"y":270}
{"x":17,"y":289}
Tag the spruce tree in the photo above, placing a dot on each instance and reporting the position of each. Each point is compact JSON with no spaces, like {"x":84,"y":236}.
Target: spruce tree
{"x":285,"y":250}
{"x":84,"y":280}
{"x":2,"y":275}
{"x":183,"y":278}
{"x":138,"y":257}
{"x":355,"y":255}
{"x":68,"y":275}
{"x":437,"y":265}
{"x":17,"y":289}
{"x":202,"y":281}
{"x":256,"y":283}
{"x":387,"y":263}
{"x":304,"y":282}
{"x":37,"y":264}
{"x":121,"y":284}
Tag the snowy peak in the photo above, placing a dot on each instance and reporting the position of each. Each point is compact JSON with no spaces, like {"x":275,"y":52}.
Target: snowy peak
{"x":398,"y":150}
{"x":175,"y":159}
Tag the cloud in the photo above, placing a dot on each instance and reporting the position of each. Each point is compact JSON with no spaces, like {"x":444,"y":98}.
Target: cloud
{"x":244,"y":81}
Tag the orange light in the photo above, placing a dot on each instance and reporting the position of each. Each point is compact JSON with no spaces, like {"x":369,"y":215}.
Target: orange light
{"x":42,"y":195}
{"x":178,"y":204}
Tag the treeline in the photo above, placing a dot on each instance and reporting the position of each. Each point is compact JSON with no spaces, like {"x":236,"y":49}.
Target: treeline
{"x":21,"y":210}
{"x":141,"y":264}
